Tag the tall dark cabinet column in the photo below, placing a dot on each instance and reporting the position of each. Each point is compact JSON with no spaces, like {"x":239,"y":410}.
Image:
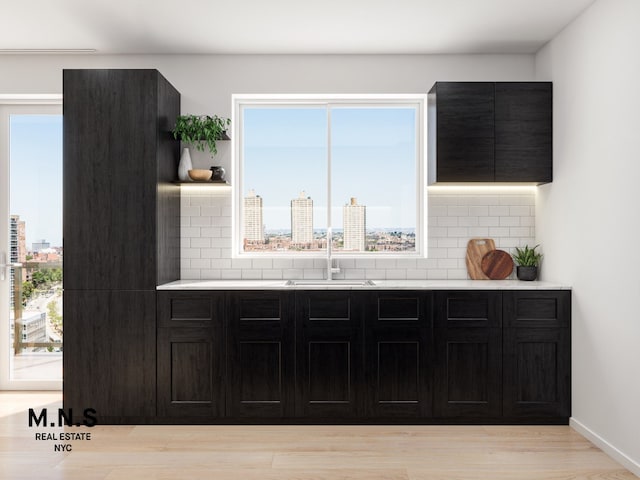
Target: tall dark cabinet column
{"x":121,"y":235}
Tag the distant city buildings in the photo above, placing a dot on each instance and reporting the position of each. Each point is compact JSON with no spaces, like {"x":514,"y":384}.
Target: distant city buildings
{"x":18,"y":242}
{"x":302,"y":220}
{"x":41,"y":245}
{"x":253,"y":227}
{"x":34,"y":327}
{"x":353,"y":237}
{"x":354,"y":221}
{"x":18,"y":249}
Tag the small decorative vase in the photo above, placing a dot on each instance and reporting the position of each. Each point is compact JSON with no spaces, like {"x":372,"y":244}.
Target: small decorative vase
{"x":184,"y":166}
{"x":218,"y":174}
{"x":527,"y":273}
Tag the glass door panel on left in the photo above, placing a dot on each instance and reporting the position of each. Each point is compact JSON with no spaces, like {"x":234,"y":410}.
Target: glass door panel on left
{"x":31,"y":320}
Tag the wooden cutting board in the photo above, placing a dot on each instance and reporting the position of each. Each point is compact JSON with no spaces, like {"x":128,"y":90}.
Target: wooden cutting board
{"x":497,"y":264}
{"x":476,"y":249}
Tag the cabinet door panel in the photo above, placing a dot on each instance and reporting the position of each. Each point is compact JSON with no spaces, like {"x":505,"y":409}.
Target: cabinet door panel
{"x":398,"y":378}
{"x":537,"y":308}
{"x":523,"y":132}
{"x":110,"y":353}
{"x":537,"y":372}
{"x":260,"y":355}
{"x":112,"y":161}
{"x":191,"y":357}
{"x":468,"y":375}
{"x":465,"y":309}
{"x":329,"y":372}
{"x":190,"y":373}
{"x":329,"y":354}
{"x":398,"y":352}
{"x":465,"y":132}
{"x":260,"y":372}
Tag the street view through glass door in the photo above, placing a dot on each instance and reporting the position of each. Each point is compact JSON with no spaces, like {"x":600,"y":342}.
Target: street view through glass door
{"x":31,"y":250}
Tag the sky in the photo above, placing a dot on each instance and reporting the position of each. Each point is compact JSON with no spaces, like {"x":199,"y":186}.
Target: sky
{"x":373,"y":158}
{"x":36,"y":176}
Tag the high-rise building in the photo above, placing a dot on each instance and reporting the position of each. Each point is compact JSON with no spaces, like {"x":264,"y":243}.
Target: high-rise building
{"x":18,"y":249}
{"x":302,"y":219}
{"x":253,"y":228}
{"x":354,"y":224}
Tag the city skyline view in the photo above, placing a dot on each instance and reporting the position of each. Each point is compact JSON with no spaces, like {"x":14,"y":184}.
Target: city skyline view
{"x":354,"y":236}
{"x":370,"y":151}
{"x":36,"y":176}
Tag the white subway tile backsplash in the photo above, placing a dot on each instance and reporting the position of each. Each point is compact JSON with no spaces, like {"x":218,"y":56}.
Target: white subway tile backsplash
{"x":210,"y":211}
{"x":447,"y":263}
{"x":519,"y":211}
{"x":200,"y":263}
{"x":528,"y":221}
{"x":262,"y":263}
{"x":201,"y":200}
{"x":478,"y":232}
{"x":437,"y":210}
{"x":479,"y":211}
{"x":457,"y":232}
{"x":416,"y":274}
{"x":446,"y":221}
{"x":200,"y":221}
{"x":446,"y":242}
{"x":453,"y":218}
{"x":200,"y":242}
{"x":231,"y":274}
{"x":468,"y":221}
{"x":509,"y":221}
{"x":396,"y":274}
{"x":212,"y":232}
{"x":190,"y":232}
{"x":498,"y":211}
{"x":211,"y":252}
{"x":498,"y":232}
{"x":519,"y":231}
{"x":489,"y":221}
{"x":190,"y":211}
{"x":457,"y":211}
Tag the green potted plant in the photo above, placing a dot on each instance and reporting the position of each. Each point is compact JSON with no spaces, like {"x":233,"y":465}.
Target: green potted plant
{"x":527,"y":260}
{"x":200,"y":130}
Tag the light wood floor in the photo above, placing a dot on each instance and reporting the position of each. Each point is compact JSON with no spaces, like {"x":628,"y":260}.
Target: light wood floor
{"x":295,"y":452}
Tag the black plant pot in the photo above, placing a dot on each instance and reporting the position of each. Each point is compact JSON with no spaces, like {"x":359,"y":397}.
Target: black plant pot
{"x":527,"y":273}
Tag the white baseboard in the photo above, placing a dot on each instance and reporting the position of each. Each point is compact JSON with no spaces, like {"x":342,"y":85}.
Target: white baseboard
{"x":605,"y":446}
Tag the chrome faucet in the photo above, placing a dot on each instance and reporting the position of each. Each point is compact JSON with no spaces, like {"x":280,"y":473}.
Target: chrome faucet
{"x":330,"y":268}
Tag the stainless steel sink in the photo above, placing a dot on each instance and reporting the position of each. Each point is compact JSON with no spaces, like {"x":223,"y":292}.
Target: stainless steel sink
{"x":330,"y":283}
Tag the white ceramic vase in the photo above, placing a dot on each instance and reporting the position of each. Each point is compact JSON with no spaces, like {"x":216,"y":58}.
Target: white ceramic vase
{"x":184,"y":166}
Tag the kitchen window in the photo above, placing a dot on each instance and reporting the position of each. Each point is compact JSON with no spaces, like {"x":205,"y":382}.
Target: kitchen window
{"x":339,"y":173}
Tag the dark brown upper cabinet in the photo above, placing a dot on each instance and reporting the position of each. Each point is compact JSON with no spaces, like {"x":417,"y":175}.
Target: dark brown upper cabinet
{"x":490,"y":132}
{"x":121,"y":209}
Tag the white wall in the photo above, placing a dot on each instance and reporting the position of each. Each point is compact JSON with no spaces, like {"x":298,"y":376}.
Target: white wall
{"x":206,"y":82}
{"x":588,"y":219}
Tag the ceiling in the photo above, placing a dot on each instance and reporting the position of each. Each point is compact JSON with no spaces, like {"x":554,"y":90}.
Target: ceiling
{"x":286,"y":26}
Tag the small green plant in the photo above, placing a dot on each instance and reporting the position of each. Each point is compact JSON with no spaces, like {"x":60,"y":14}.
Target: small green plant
{"x":527,"y":257}
{"x":200,"y":130}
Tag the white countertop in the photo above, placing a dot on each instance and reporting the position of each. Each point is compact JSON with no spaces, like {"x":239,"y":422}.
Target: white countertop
{"x":378,"y":285}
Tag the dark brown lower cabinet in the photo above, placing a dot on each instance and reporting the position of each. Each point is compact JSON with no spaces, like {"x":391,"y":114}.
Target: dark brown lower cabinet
{"x":191,"y":355}
{"x":109,"y":354}
{"x":329,"y":354}
{"x":260,"y":356}
{"x":398,"y":352}
{"x":537,"y":354}
{"x":468,"y":365}
{"x":364,"y":356}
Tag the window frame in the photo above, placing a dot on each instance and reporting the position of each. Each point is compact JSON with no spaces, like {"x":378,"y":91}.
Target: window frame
{"x":240,"y":101}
